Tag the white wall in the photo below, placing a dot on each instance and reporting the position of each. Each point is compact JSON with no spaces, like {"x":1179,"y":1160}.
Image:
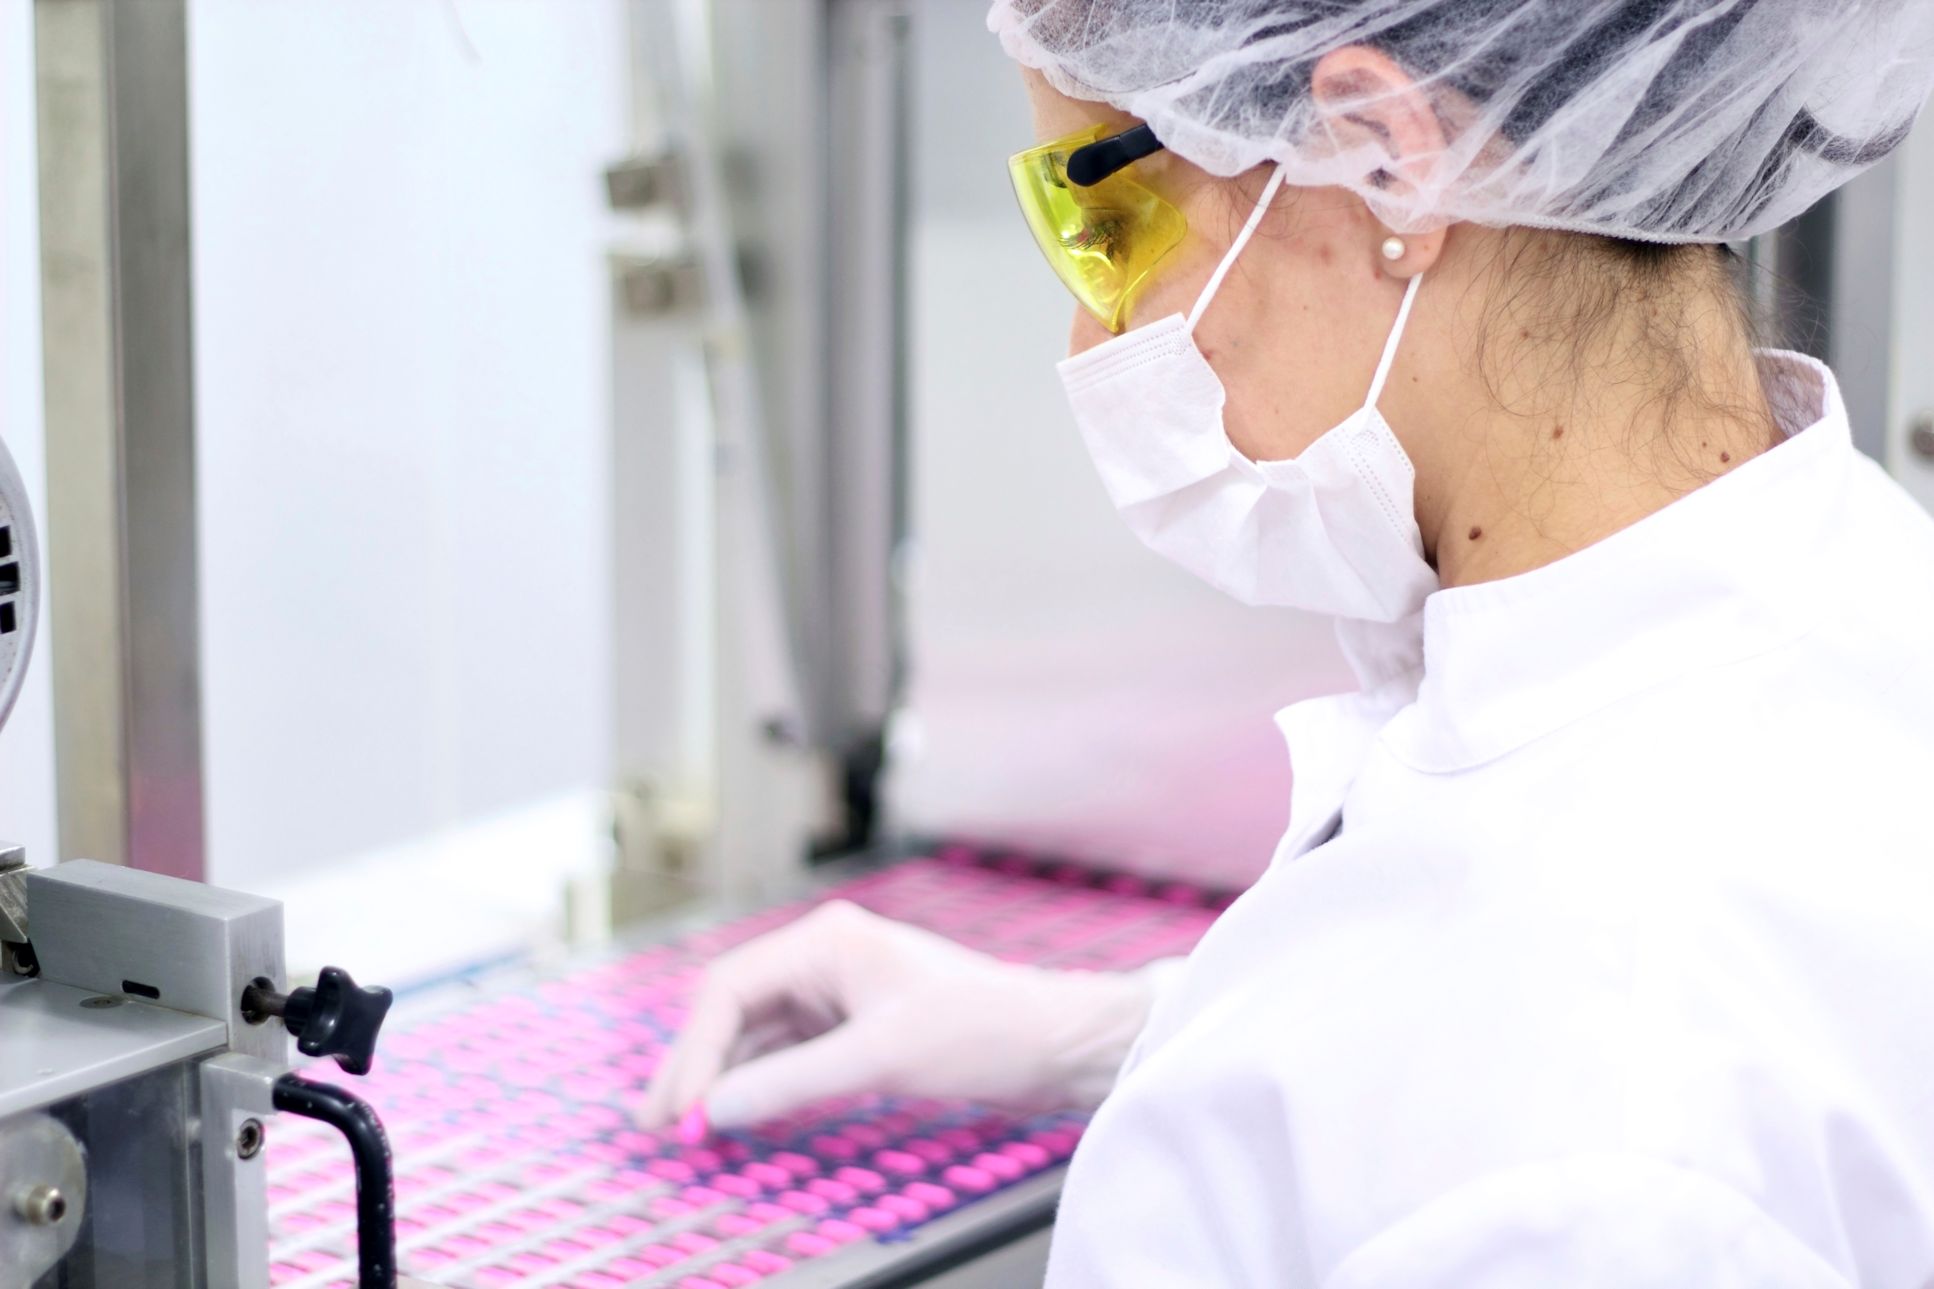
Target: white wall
{"x":27,"y":743}
{"x":402,"y":358}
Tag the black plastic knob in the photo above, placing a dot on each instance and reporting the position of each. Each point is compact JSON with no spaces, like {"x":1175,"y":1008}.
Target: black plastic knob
{"x":337,"y":1018}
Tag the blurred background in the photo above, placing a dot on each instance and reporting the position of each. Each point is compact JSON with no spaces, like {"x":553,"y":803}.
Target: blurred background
{"x":592,"y":453}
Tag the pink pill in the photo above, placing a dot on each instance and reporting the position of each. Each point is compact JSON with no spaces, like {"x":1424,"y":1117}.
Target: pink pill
{"x":899,"y":1161}
{"x":840,"y":1231}
{"x":694,"y":1242}
{"x":733,"y":1225}
{"x":904,"y":1207}
{"x":705,"y":1196}
{"x":768,"y":1175}
{"x":1058,"y":1143}
{"x":767,"y":1212}
{"x":797,"y":1164}
{"x":766,"y":1262}
{"x":864,"y":1135}
{"x":727,"y":1273}
{"x":695,"y":1127}
{"x":934,"y":1197}
{"x":743,"y":1187}
{"x":1025,"y":1153}
{"x":672,"y":1170}
{"x":837,"y":1149}
{"x":873,"y":1219}
{"x":802,"y":1202}
{"x":808,"y":1245}
{"x":701,"y":1282}
{"x":931,"y":1151}
{"x":896,"y":1123}
{"x":834,"y":1192}
{"x":864,"y":1180}
{"x":975,"y":1181}
{"x":1004,"y":1167}
{"x":656,"y":1255}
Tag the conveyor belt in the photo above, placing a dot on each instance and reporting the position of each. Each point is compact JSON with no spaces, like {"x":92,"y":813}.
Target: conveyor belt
{"x":517,"y":1164}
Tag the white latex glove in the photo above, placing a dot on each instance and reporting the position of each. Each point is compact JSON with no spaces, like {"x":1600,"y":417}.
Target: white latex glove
{"x":844,"y":1001}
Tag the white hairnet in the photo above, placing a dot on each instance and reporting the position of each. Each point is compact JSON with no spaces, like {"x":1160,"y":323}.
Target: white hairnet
{"x":1666,"y":120}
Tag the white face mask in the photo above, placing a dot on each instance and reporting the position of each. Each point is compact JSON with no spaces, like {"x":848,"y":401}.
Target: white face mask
{"x":1330,"y":531}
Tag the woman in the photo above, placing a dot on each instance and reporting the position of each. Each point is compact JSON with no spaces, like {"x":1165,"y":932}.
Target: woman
{"x":1601,"y":947}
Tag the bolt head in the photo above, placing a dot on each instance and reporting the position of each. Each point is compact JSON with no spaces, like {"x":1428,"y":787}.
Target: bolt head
{"x":248,"y":1142}
{"x":1920,"y":436}
{"x":41,"y":1205}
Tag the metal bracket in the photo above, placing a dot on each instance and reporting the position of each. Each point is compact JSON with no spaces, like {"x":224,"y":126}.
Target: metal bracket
{"x":644,"y":180}
{"x":653,"y":285}
{"x":237,"y":1100}
{"x":184,"y":945}
{"x":16,"y":955}
{"x":43,"y":1196}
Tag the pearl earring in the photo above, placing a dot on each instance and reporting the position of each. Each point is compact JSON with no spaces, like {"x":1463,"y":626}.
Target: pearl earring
{"x":1393,"y":248}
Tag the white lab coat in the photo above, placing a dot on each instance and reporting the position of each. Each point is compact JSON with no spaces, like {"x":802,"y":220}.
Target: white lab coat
{"x":1600,"y":953}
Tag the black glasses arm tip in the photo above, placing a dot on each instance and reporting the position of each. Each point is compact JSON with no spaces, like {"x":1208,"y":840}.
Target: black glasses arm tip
{"x":1090,"y":164}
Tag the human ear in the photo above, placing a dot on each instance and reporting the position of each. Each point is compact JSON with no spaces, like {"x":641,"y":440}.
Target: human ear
{"x":1367,"y":102}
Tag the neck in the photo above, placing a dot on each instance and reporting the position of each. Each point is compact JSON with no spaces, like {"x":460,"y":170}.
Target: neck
{"x":1538,"y":445}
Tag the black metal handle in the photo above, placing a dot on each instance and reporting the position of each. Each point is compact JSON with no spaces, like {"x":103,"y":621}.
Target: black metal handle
{"x":337,"y":1018}
{"x":369,"y":1152}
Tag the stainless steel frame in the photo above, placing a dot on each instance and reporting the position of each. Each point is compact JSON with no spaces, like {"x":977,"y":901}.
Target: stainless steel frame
{"x":112,"y":89}
{"x":1825,"y":285}
{"x":813,"y":102}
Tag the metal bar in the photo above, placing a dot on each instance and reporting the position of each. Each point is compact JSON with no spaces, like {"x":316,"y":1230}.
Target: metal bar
{"x":864,"y":434}
{"x":112,"y":89}
{"x":237,"y":1100}
{"x":1827,"y":286}
{"x":1861,"y":307}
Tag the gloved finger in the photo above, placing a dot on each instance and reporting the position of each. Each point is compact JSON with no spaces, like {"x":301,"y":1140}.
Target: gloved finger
{"x":789,"y":969}
{"x":759,"y":1037}
{"x":843,"y":1061}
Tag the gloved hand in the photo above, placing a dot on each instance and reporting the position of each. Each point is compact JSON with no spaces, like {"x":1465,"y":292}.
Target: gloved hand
{"x":844,"y":1001}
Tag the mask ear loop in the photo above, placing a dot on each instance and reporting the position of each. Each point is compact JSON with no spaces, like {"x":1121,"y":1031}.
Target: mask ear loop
{"x":1235,"y":248}
{"x":1390,"y":346}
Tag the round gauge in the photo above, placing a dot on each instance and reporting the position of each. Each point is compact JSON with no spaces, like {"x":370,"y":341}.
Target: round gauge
{"x":19,"y":582}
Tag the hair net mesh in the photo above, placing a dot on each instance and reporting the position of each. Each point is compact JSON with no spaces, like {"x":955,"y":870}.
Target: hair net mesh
{"x":1665,"y":120}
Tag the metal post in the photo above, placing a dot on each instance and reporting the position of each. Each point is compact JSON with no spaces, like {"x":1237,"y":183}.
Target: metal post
{"x":1831,"y":293}
{"x":112,"y":89}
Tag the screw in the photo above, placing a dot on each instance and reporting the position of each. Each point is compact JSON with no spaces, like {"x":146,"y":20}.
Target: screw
{"x":41,"y":1205}
{"x":1920,"y":436}
{"x":248,"y":1142}
{"x":102,"y":1000}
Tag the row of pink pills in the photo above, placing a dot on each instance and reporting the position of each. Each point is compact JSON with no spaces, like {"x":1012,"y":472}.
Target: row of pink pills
{"x":596,"y":1036}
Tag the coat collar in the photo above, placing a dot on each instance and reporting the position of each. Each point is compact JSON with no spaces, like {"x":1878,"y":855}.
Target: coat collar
{"x":1736,"y":568}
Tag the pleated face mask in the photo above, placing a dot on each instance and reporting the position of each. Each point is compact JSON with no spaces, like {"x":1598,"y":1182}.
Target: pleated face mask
{"x":1331,"y":530}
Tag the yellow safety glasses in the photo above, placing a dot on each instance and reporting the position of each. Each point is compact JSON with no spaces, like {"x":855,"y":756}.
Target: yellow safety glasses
{"x":1101,"y":231}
